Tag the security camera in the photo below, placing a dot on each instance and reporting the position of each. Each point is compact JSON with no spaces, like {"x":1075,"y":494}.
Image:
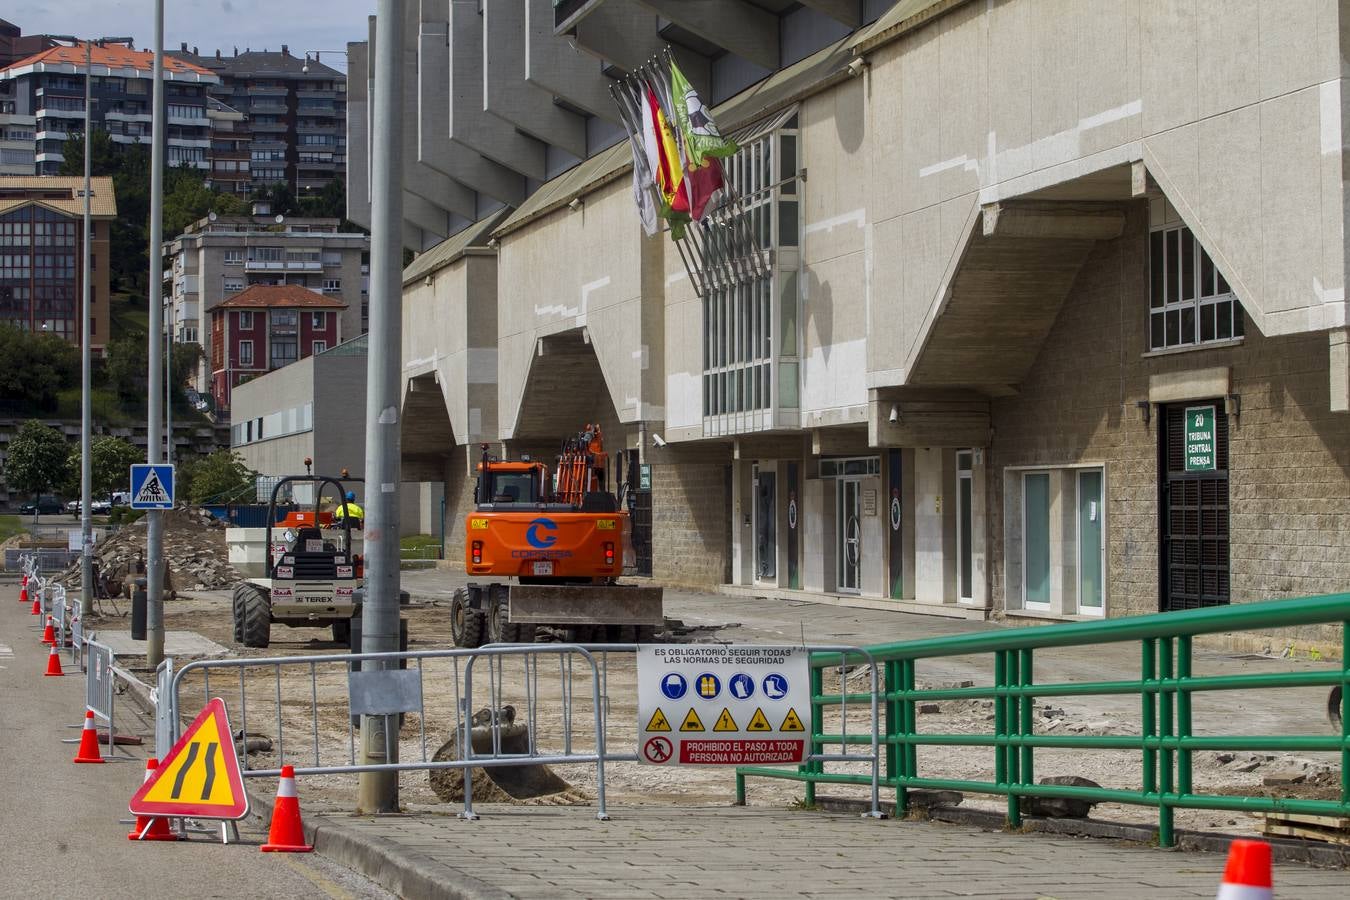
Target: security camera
{"x":895,"y":413}
{"x":856,"y":67}
{"x":658,"y":440}
{"x":575,"y":204}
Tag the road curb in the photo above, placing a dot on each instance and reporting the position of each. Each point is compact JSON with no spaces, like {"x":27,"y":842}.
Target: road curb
{"x":398,"y":869}
{"x":401,"y":870}
{"x":1327,"y":856}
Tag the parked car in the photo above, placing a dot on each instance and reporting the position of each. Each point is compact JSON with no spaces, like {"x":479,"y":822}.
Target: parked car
{"x":101,"y":507}
{"x":73,"y":506}
{"x":46,"y":505}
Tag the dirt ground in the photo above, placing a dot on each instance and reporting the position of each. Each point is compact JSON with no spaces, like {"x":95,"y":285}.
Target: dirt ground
{"x":283,"y":709}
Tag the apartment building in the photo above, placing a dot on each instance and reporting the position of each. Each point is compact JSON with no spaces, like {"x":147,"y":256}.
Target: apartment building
{"x":267,"y":327}
{"x":1040,"y":313}
{"x":221,"y":256}
{"x":230,"y":155}
{"x":46,"y":91}
{"x":296,"y":110}
{"x":41,"y":254}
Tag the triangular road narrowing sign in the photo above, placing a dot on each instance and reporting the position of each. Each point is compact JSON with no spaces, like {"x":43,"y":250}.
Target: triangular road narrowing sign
{"x":200,"y":777}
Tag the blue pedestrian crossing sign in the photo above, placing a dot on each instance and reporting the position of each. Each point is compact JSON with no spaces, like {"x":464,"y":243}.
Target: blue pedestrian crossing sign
{"x":151,"y":486}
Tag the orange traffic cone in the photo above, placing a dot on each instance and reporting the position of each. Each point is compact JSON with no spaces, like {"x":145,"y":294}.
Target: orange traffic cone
{"x":54,"y":662}
{"x":1247,"y":875}
{"x":49,"y":633}
{"x":37,"y":605}
{"x":287,"y":833}
{"x":89,"y":752}
{"x":159,"y":826}
{"x":23,"y":590}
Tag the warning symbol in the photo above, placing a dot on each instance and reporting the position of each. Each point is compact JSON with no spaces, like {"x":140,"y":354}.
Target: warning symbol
{"x":725,"y":722}
{"x":692,"y":722}
{"x":657,"y":750}
{"x":791,"y":722}
{"x":151,"y":491}
{"x":200,"y":776}
{"x":152,"y":486}
{"x":658,"y":721}
{"x":758,"y":722}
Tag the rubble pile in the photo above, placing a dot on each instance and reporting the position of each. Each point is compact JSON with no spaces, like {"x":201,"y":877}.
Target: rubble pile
{"x":194,"y":547}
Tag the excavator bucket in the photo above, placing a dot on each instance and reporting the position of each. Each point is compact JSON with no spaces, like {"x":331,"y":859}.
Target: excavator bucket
{"x":498,"y":784}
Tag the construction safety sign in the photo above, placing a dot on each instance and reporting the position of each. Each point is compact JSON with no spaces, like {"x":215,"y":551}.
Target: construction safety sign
{"x":200,"y":777}
{"x":714,"y":705}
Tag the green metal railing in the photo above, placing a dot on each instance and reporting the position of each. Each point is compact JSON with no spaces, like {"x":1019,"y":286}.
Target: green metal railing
{"x":1164,"y":687}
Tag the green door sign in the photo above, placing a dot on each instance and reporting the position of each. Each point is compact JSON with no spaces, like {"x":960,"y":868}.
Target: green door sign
{"x":645,"y":477}
{"x":1201,"y":450}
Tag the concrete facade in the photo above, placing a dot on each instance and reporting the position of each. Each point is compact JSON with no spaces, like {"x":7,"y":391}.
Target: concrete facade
{"x":970,"y":346}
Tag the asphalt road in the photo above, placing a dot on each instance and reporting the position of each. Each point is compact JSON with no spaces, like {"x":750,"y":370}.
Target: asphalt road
{"x":62,"y":826}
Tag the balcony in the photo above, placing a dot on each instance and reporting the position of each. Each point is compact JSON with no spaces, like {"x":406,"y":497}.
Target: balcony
{"x":273,"y":265}
{"x":264,"y":105}
{"x":49,"y":112}
{"x":117,"y":115}
{"x":271,"y":127}
{"x":315,"y":95}
{"x":256,"y":90}
{"x":50,"y":135}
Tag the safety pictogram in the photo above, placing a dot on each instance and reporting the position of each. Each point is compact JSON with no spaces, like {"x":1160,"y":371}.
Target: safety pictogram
{"x":759,"y":722}
{"x":657,"y":750}
{"x":791,"y":722}
{"x":725,"y":722}
{"x":674,"y":686}
{"x":692,"y":722}
{"x":741,"y":686}
{"x":709,"y":686}
{"x":200,"y":776}
{"x":658,"y":721}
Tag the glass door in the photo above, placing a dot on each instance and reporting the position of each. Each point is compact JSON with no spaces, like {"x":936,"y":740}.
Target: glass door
{"x":964,"y":499}
{"x":1036,"y":540}
{"x":766,"y":525}
{"x":849,"y":527}
{"x":1091,"y":596}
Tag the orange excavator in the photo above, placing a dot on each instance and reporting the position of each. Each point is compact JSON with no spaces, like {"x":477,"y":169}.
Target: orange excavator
{"x":562,"y":539}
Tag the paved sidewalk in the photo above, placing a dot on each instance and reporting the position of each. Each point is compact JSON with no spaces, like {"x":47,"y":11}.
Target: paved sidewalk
{"x":774,"y":853}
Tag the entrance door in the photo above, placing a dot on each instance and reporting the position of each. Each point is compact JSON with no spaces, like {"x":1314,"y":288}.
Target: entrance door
{"x":849,"y":530}
{"x":766,"y":525}
{"x":1194,"y":505}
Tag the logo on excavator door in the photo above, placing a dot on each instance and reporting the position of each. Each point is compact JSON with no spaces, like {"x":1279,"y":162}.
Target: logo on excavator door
{"x":535,"y":538}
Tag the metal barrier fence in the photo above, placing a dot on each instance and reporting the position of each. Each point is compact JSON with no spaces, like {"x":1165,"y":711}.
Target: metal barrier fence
{"x":99,"y":684}
{"x":50,"y":559}
{"x":349,"y":682}
{"x":1165,"y":689}
{"x":565,"y":710}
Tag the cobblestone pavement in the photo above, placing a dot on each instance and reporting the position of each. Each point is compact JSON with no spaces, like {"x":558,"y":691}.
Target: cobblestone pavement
{"x":777,"y":853}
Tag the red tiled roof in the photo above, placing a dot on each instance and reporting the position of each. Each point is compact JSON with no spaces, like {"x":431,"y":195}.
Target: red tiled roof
{"x":114,"y":56}
{"x":280,"y":296}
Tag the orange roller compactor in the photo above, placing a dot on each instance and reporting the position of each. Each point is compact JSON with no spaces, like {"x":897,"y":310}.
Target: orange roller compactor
{"x":563,"y":539}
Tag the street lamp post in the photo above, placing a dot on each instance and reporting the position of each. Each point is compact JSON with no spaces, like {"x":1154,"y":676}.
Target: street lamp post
{"x":86,"y":356}
{"x":154,"y":531}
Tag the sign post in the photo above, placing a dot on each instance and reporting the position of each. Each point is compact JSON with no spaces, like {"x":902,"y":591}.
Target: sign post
{"x":723,"y":706}
{"x":1201,"y":449}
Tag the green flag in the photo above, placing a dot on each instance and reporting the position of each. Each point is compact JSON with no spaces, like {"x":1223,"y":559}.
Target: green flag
{"x":695,"y":121}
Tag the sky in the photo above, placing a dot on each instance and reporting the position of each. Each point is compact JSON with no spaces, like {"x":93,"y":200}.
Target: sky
{"x":209,"y":25}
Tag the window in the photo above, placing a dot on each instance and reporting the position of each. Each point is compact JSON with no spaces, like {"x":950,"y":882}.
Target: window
{"x":319,"y":347}
{"x":317,"y":320}
{"x":246,"y":320}
{"x":234,"y":285}
{"x":234,"y":257}
{"x":245,"y":353}
{"x":285,"y":318}
{"x":1055,"y":533}
{"x":284,"y":352}
{"x":266,"y":254}
{"x":1190,"y":302}
{"x":332,"y":285}
{"x":748,"y":283}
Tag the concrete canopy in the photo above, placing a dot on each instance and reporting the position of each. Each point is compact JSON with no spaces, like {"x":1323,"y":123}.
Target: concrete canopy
{"x":507,"y":93}
{"x":560,"y":68}
{"x":425,"y":434}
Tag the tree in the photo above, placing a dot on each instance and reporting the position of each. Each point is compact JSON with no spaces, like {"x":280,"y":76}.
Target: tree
{"x":110,"y":461}
{"x":219,"y":477}
{"x":34,"y":368}
{"x":37,"y":459}
{"x":126,"y":367}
